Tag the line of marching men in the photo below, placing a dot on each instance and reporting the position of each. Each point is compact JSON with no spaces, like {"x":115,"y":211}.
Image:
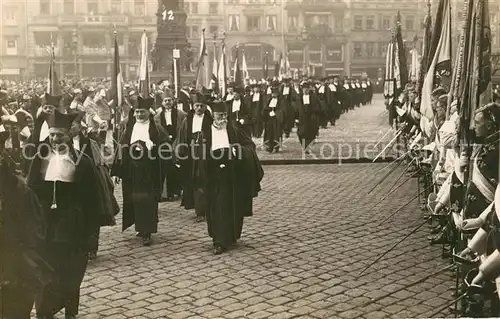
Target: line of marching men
{"x":460,"y":191}
{"x":64,"y":187}
{"x":66,"y":194}
{"x":270,"y":108}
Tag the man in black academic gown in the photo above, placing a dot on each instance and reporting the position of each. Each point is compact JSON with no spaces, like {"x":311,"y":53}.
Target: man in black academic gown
{"x":288,"y":96}
{"x":137,"y":164}
{"x":272,"y":116}
{"x":307,"y":117}
{"x":170,"y":119}
{"x":64,"y":180}
{"x":81,"y":142}
{"x":22,"y":270}
{"x":188,"y":154}
{"x":256,"y":103}
{"x":232,"y":175}
{"x":240,"y":114}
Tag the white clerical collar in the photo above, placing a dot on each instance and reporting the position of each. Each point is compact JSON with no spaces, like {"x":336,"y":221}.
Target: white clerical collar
{"x":140,"y":132}
{"x":168,"y":116}
{"x":60,"y":167}
{"x":197,"y":123}
{"x":236,"y":105}
{"x":220,"y":139}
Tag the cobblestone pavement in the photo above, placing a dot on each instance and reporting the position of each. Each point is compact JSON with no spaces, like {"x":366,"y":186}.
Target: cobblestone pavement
{"x":312,"y":232}
{"x":354,"y":135}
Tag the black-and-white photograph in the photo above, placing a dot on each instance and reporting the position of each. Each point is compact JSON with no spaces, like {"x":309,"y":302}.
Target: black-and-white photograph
{"x":260,"y":159}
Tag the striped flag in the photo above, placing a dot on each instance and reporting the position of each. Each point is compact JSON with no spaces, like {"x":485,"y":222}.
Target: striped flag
{"x":400,"y":61}
{"x":389,"y":72}
{"x":117,"y":86}
{"x":424,"y":61}
{"x":477,"y":89}
{"x":144,"y":67}
{"x":176,"y":76}
{"x":238,"y":75}
{"x":277,"y":66}
{"x":244,"y":67}
{"x":439,"y":66}
{"x":215,"y":67}
{"x":53,"y":86}
{"x":222,"y":72}
{"x":201,"y":77}
{"x":284,"y":66}
{"x":415,"y":62}
{"x":265,"y":67}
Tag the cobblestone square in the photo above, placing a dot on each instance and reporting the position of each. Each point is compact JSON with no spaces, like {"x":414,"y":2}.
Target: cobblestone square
{"x":300,"y":256}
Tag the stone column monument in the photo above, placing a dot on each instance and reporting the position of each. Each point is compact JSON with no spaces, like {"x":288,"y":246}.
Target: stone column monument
{"x":171,"y":27}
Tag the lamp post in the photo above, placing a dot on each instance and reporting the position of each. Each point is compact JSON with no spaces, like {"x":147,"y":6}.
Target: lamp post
{"x":75,"y":51}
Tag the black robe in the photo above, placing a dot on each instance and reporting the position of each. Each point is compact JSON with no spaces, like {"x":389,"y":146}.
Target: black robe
{"x":170,"y":173}
{"x":288,"y":108}
{"x":185,"y":146}
{"x":243,"y":114}
{"x":273,"y":125}
{"x":69,"y":227}
{"x":230,"y":190}
{"x":308,"y":126}
{"x":141,"y":179}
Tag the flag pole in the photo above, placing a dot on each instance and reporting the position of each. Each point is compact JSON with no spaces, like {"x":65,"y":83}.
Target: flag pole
{"x":176,"y":56}
{"x":116,"y":88}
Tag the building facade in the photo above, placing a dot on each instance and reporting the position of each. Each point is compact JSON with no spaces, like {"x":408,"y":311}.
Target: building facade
{"x":321,"y":37}
{"x":258,"y":28}
{"x":371,"y":24}
{"x":83,"y":35}
{"x":317,"y":37}
{"x":13,"y":45}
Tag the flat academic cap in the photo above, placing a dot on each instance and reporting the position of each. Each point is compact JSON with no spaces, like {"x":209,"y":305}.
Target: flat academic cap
{"x":145,"y":103}
{"x":218,"y":107}
{"x":239,"y":90}
{"x":60,"y":120}
{"x":199,"y":97}
{"x":52,"y":99}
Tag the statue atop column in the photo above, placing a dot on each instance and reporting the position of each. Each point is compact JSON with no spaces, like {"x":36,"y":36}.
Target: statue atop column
{"x":171,"y":27}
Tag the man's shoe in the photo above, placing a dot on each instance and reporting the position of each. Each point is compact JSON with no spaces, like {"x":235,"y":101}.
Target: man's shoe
{"x":147,"y":241}
{"x":199,"y":219}
{"x":66,"y":316}
{"x":218,"y":249}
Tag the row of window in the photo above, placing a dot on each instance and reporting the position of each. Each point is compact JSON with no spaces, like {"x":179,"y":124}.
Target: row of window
{"x":373,"y":22}
{"x":369,"y":49}
{"x":93,"y":7}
